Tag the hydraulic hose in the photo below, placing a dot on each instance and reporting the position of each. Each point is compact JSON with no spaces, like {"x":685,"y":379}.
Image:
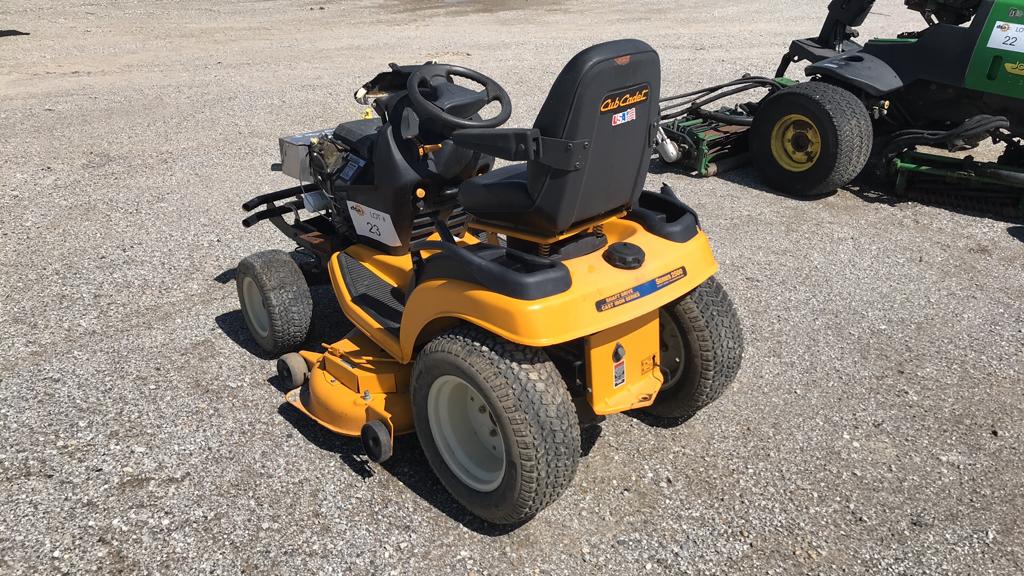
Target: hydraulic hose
{"x":974,"y":129}
{"x":735,"y":120}
{"x":691,"y":103}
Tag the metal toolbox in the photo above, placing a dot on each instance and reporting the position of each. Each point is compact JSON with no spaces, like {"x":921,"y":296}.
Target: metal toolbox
{"x":295,"y":154}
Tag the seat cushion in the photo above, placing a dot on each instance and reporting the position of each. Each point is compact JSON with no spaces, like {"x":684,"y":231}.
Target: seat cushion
{"x":497,"y":194}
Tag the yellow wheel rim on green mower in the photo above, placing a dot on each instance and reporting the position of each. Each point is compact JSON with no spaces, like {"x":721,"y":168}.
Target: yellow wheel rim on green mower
{"x":796,"y":143}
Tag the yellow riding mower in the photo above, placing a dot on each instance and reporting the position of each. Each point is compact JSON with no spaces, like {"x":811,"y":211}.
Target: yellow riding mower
{"x":494,"y":311}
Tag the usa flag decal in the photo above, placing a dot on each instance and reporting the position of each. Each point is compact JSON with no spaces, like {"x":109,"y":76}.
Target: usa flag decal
{"x":623,"y":117}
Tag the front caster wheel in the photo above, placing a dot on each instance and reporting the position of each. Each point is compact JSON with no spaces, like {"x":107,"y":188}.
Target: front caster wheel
{"x":275,"y":301}
{"x":701,"y":351}
{"x":292,"y":370}
{"x":496,"y":423}
{"x":376,"y":441}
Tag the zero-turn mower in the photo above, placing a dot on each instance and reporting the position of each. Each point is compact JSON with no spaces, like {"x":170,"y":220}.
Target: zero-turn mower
{"x":494,"y":311}
{"x":951,"y":86}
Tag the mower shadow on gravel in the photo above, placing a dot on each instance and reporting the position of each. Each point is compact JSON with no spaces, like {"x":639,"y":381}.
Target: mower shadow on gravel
{"x":232,"y":324}
{"x":653,"y":421}
{"x":874,"y":193}
{"x":744,"y":176}
{"x":867,"y":189}
{"x":409,"y":466}
{"x":658,"y":167}
{"x":1016,"y":232}
{"x":747,"y":177}
{"x":226,"y":276}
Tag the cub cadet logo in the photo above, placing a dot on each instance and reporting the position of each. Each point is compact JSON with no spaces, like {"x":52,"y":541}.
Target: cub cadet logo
{"x":630,"y":97}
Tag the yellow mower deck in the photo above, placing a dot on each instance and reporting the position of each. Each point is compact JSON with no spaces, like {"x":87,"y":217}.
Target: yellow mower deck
{"x":354,"y":382}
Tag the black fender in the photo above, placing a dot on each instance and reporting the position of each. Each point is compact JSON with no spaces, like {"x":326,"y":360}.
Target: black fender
{"x":860,"y":70}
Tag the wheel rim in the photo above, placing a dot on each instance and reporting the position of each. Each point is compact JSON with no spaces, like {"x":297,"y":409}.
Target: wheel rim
{"x":466,"y":433}
{"x":673,"y":359}
{"x":796,"y":143}
{"x":253,"y":307}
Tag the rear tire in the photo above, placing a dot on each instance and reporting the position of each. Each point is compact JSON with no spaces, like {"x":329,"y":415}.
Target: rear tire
{"x":707,"y":357}
{"x":810,"y":139}
{"x":275,"y":301}
{"x":496,"y":424}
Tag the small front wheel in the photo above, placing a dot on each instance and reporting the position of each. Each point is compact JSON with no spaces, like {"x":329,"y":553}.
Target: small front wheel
{"x":701,"y":351}
{"x":275,"y":301}
{"x":496,"y":423}
{"x":292,"y":370}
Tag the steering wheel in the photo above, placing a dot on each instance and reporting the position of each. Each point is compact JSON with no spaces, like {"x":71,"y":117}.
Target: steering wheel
{"x":430,"y":73}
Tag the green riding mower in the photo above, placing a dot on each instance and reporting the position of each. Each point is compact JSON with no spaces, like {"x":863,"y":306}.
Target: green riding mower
{"x":868,"y":109}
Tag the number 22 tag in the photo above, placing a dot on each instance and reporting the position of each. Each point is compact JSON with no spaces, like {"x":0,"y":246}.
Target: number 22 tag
{"x":1007,"y":36}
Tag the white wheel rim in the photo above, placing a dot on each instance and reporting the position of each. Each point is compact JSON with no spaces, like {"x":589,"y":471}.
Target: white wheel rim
{"x":672,"y":352}
{"x":254,"y":310}
{"x":465,"y":433}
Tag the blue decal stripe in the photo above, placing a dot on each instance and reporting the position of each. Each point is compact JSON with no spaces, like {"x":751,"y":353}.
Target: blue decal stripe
{"x":637,"y":292}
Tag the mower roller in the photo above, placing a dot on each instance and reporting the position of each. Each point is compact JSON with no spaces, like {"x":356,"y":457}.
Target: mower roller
{"x":495,"y":312}
{"x":869,"y":109}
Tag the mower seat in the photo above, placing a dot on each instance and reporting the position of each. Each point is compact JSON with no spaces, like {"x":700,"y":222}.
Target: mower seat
{"x":588,"y":152}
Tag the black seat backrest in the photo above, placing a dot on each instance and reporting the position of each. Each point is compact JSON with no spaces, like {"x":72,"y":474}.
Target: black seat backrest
{"x":607,"y":94}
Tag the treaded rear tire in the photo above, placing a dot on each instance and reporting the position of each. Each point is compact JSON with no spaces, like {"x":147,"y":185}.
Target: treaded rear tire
{"x":530,"y":405}
{"x":713,"y":351}
{"x":846,"y":133}
{"x":285,"y":298}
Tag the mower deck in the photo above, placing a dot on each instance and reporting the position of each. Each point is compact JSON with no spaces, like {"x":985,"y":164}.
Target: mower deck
{"x":960,"y":183}
{"x":354,"y":382}
{"x":711,"y":147}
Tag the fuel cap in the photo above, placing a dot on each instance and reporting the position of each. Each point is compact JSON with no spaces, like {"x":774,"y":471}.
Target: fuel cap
{"x":625,"y":255}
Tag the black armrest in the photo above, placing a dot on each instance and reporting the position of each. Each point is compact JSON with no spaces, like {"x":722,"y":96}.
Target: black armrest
{"x":522,"y":144}
{"x":516,"y":144}
{"x":532,"y":278}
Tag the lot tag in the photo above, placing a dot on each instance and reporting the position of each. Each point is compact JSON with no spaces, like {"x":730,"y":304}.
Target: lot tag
{"x":373,"y":224}
{"x":1007,"y":36}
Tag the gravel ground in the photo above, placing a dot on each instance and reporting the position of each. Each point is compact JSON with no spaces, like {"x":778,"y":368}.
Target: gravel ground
{"x":874,"y":429}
